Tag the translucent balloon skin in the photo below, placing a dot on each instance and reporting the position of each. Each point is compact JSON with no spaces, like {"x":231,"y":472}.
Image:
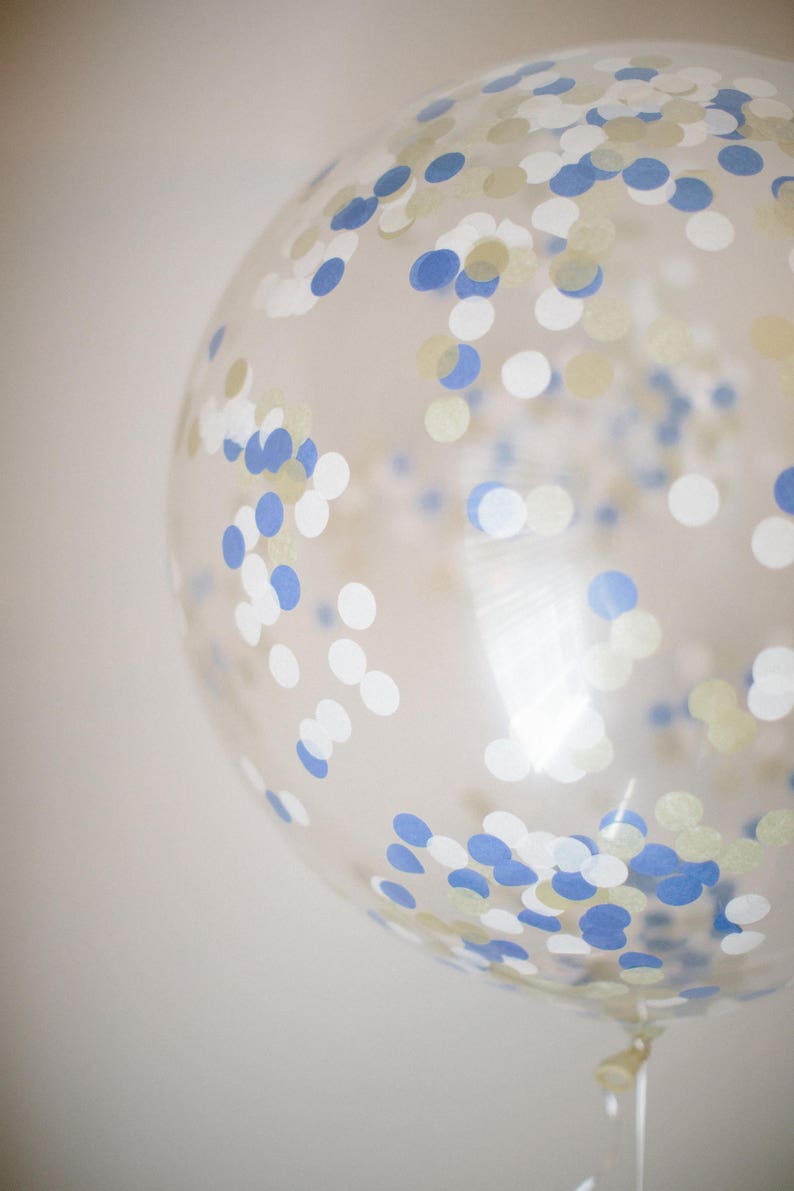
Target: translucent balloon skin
{"x":464,"y":518}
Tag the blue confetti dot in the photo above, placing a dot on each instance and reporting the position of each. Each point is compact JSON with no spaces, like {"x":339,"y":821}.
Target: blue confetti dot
{"x":691,"y":194}
{"x":606,"y":917}
{"x":558,"y":87}
{"x":679,"y":890}
{"x":572,"y":886}
{"x":286,"y":586}
{"x":730,"y":99}
{"x":740,"y":160}
{"x":636,"y":72}
{"x":475,"y":497}
{"x":624,"y":815}
{"x":724,"y":927}
{"x":216,"y":341}
{"x":444,"y":167}
{"x":646,"y":173}
{"x":357,"y":212}
{"x":278,"y":806}
{"x":668,"y":433}
{"x":541,"y":921}
{"x":724,"y":396}
{"x":306,"y":455}
{"x":649,"y":117}
{"x":660,"y":715}
{"x":501,"y":84}
{"x":611,"y":594}
{"x":275,"y":452}
{"x":655,"y":860}
{"x":573,"y":180}
{"x":233,"y":547}
{"x":436,"y":108}
{"x":325,"y":615}
{"x":403,"y":859}
{"x":536,"y":67}
{"x":488,"y":849}
{"x":327,"y":276}
{"x":510,"y":950}
{"x":778,"y":182}
{"x":594,"y":117}
{"x":434,"y":269}
{"x":705,"y":871}
{"x":784,"y":490}
{"x":313,"y":765}
{"x":466,"y":370}
{"x":605,"y":940}
{"x":231,"y":449}
{"x":391,"y":181}
{"x":412,"y":830}
{"x":467,"y":287}
{"x":598,"y":173}
{"x":513,"y":872}
{"x":697,"y":994}
{"x":466,"y":878}
{"x":791,"y":782}
{"x":269,"y":514}
{"x":639,"y":959}
{"x":398,"y":894}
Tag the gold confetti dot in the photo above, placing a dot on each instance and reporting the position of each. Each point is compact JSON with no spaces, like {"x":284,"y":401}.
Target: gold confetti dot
{"x":642,"y":976}
{"x":773,"y":336}
{"x":711,"y":699}
{"x":466,"y":901}
{"x":437,"y":356}
{"x":606,"y":319}
{"x":447,"y":418}
{"x":651,"y":61}
{"x":669,"y":340}
{"x":339,"y":200}
{"x":290,"y":481}
{"x":607,"y":157}
{"x":424,"y":202}
{"x":550,"y":510}
{"x":546,"y":894}
{"x":623,"y":840}
{"x":571,"y":271}
{"x":740,"y":856}
{"x":522,"y":265}
{"x":697,"y":844}
{"x":663,"y":134}
{"x":625,"y":128}
{"x":508,"y":131}
{"x":486,"y":260}
{"x":631,"y":899}
{"x":683,"y":111}
{"x":269,"y":400}
{"x":786,"y":376}
{"x":305,"y":241}
{"x":584,"y":93}
{"x":298,"y":421}
{"x":236,"y":377}
{"x":636,"y":633}
{"x":678,"y":810}
{"x":282,"y":548}
{"x":776,"y":828}
{"x":595,"y":759}
{"x":588,"y":375}
{"x":732,"y":731}
{"x":504,"y":182}
{"x":593,"y":236}
{"x":470,"y":182}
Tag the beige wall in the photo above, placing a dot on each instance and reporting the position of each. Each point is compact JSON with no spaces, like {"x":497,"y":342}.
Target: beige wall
{"x":170,"y":1025}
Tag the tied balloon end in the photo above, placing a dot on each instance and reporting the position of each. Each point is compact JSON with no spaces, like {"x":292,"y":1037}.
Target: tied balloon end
{"x":619,"y":1072}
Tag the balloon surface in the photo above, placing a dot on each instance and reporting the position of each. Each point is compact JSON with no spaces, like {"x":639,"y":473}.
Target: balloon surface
{"x":482,"y":523}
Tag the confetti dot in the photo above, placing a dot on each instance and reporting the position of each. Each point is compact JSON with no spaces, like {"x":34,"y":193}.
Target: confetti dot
{"x":526,"y":374}
{"x":567,"y":945}
{"x":327,"y":277}
{"x":709,"y":231}
{"x":507,"y":760}
{"x":501,"y":512}
{"x":447,"y":852}
{"x":678,"y":810}
{"x":356,"y":605}
{"x":711,"y":699}
{"x":556,"y":311}
{"x":315,"y":739}
{"x":434,"y":270}
{"x":776,"y":828}
{"x":740,"y":160}
{"x":284,"y":666}
{"x":466,"y":878}
{"x":646,"y":173}
{"x":466,"y":368}
{"x":444,"y":167}
{"x":784,"y":490}
{"x":740,"y":856}
{"x":772,"y":336}
{"x":233,"y":545}
{"x":269,"y":514}
{"x":311,"y":514}
{"x":331,"y":475}
{"x":334,"y":720}
{"x":693,"y":500}
{"x":391,"y":181}
{"x":605,"y":872}
{"x":611,"y":593}
{"x":773,"y":542}
{"x":747,"y":909}
{"x":691,"y":194}
{"x":655,"y":860}
{"x":398,"y":894}
{"x":412,"y":830}
{"x":471,"y":318}
{"x":286,"y":586}
{"x":679,"y":890}
{"x":669,"y":340}
{"x":549,"y":510}
{"x":347,"y":660}
{"x":636,"y":633}
{"x":505,"y":826}
{"x":254,"y":576}
{"x":606,"y":319}
{"x":248,"y":623}
{"x":541,"y":167}
{"x":447,"y":418}
{"x":316,"y":766}
{"x":403,"y":859}
{"x":380,"y":693}
{"x":588,"y":374}
{"x":741,"y":944}
{"x":555,"y":216}
{"x":698,"y":843}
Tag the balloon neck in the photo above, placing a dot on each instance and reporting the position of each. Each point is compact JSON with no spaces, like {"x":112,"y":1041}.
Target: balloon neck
{"x":618,"y":1073}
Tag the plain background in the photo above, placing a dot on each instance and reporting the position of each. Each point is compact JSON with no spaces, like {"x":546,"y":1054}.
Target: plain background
{"x":186,"y":1008}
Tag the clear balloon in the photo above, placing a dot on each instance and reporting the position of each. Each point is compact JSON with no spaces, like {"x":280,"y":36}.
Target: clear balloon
{"x":482,"y":522}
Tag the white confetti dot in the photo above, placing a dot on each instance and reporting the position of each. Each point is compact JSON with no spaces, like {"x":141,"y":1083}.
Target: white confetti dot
{"x":526,"y":374}
{"x":652,"y":198}
{"x":556,"y":311}
{"x":447,"y":851}
{"x":541,"y":167}
{"x":248,"y":623}
{"x":769,"y":703}
{"x":267,"y":607}
{"x":502,"y":512}
{"x":254,"y":576}
{"x":775,"y":663}
{"x":471,"y":318}
{"x":331,"y":475}
{"x":316,"y":739}
{"x":636,"y":633}
{"x":245,"y":520}
{"x":693,"y":500}
{"x":334,"y":719}
{"x":356,"y":605}
{"x":748,"y":940}
{"x":773,"y":109}
{"x":605,"y":872}
{"x":555,"y":216}
{"x":311,"y":514}
{"x":582,"y":138}
{"x":747,"y":908}
{"x":535,"y":850}
{"x":502,"y":921}
{"x":773,"y":542}
{"x":709,"y":230}
{"x":343,"y":246}
{"x":532,"y":902}
{"x":550,"y":510}
{"x":567,"y":945}
{"x":507,"y":760}
{"x":294,"y":808}
{"x":380,"y":692}
{"x":347,"y":660}
{"x":284,"y":666}
{"x":505,"y":826}
{"x":756,"y":87}
{"x":252,"y":773}
{"x":569,"y":853}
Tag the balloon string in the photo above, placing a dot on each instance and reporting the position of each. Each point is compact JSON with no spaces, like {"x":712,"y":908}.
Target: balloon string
{"x":612,"y":1150}
{"x":640,"y":1117}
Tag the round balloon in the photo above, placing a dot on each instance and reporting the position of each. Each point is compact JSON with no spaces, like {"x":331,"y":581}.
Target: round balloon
{"x":482,"y":522}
